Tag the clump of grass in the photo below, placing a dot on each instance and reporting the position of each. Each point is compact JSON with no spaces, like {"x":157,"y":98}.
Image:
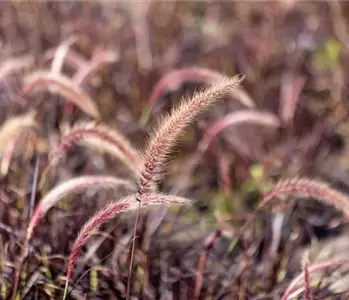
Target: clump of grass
{"x":149,"y":170}
{"x":321,"y":191}
{"x":154,"y":162}
{"x":66,"y":188}
{"x":64,"y":56}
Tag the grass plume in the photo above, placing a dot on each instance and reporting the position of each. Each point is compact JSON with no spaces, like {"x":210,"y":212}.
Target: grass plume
{"x":10,"y":133}
{"x":104,"y":139}
{"x":14,"y":126}
{"x":7,"y":155}
{"x":304,"y":187}
{"x":66,"y":188}
{"x":174,"y":79}
{"x":16,"y":64}
{"x":62,"y":85}
{"x":96,"y":63}
{"x":60,"y":54}
{"x":70,"y":187}
{"x":109,"y":212}
{"x":171,"y":128}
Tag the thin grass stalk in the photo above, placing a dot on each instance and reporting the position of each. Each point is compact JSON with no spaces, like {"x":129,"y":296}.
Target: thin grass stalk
{"x":24,"y":249}
{"x":209,"y":244}
{"x":140,"y":27}
{"x":307,"y":285}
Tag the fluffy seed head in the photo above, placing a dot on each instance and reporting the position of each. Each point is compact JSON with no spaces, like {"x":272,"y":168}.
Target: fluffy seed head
{"x":174,"y":79}
{"x":110,"y":211}
{"x":170,"y":129}
{"x":97,"y":62}
{"x":305,"y":187}
{"x":62,"y":85}
{"x":104,"y":139}
{"x":70,"y":187}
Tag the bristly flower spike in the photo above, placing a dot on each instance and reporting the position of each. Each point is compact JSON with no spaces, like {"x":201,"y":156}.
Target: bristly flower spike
{"x":102,"y":138}
{"x":109,"y":212}
{"x":168,"y":131}
{"x":70,"y":187}
{"x":304,"y":187}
